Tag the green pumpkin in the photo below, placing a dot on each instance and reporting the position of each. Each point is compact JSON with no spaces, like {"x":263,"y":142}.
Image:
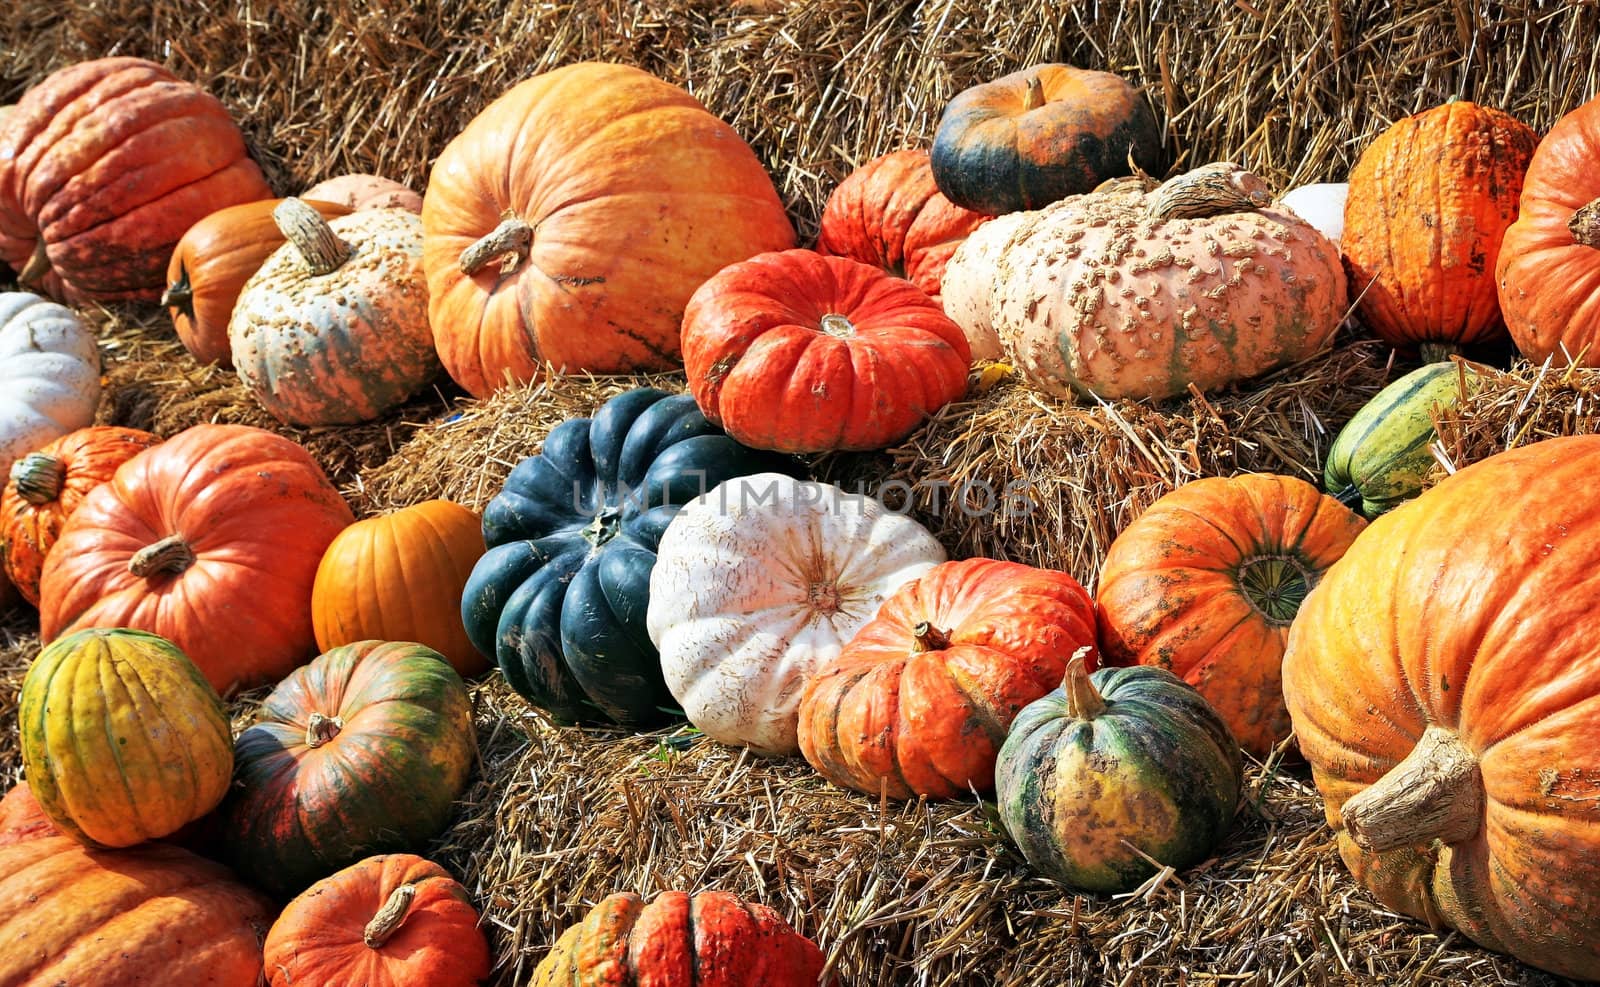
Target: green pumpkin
{"x":1381,"y":456}
{"x":1124,"y":756}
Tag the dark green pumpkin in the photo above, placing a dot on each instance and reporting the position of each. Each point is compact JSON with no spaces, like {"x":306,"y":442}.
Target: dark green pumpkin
{"x":559,"y":599}
{"x":360,"y":752}
{"x":1126,"y":754}
{"x":1380,"y":457}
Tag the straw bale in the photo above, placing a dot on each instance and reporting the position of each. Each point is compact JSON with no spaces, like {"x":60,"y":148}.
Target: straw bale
{"x":1507,"y":409}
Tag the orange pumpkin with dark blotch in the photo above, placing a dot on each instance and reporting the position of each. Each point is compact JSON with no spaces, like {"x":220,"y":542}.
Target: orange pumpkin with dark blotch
{"x":210,"y":540}
{"x":919,"y":701}
{"x":571,"y":220}
{"x":355,"y":192}
{"x":1443,"y":682}
{"x":797,"y":352}
{"x":46,"y":486}
{"x":22,"y":817}
{"x":1206,"y":583}
{"x":1429,"y":203}
{"x":93,"y":196}
{"x":889,"y":213}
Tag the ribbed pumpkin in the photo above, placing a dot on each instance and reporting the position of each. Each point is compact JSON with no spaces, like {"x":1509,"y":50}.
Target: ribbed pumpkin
{"x":1032,"y":137}
{"x":1114,"y":770}
{"x":333,"y":327}
{"x":1382,"y":456}
{"x":580,"y":249}
{"x":709,"y":939}
{"x":103,"y":166}
{"x":798,"y":352}
{"x":123,"y":740}
{"x":361,"y":751}
{"x":356,"y":192}
{"x":920,"y":699}
{"x":212,"y":262}
{"x":49,"y":374}
{"x":394,"y":920}
{"x":1206,"y":583}
{"x":1429,"y":203}
{"x":46,"y":486}
{"x":1443,"y":681}
{"x":399,"y":577}
{"x":211,"y":540}
{"x":22,"y":817}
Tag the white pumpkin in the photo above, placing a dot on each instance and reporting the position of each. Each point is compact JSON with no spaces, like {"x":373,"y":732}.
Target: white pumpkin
{"x":49,"y":374}
{"x":966,"y":290}
{"x":758,"y":584}
{"x":1321,"y":205}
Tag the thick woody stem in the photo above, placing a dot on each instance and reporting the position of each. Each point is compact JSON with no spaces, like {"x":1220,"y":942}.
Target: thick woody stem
{"x":1585,"y":225}
{"x":929,"y":638}
{"x":510,"y":241}
{"x":38,"y":477}
{"x":1084,"y":701}
{"x":389,"y":918}
{"x":311,"y":235}
{"x":1034,"y":97}
{"x":1209,"y":190}
{"x":37,"y":267}
{"x":170,"y":554}
{"x":1436,"y":793}
{"x":320,"y":729}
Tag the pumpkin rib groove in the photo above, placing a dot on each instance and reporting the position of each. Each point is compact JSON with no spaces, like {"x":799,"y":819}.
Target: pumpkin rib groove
{"x":84,"y":754}
{"x":1214,"y":526}
{"x":129,"y":208}
{"x":143,"y":709}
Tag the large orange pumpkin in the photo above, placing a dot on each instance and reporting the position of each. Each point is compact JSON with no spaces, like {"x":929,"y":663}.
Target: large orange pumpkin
{"x":1206,"y":583}
{"x":571,"y":220}
{"x":22,"y":817}
{"x":1429,"y":203}
{"x":103,"y":166}
{"x":211,"y":540}
{"x":1443,"y":682}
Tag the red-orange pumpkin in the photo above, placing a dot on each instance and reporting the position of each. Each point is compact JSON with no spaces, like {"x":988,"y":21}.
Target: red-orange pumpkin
{"x":919,"y":701}
{"x":22,"y":817}
{"x":211,"y":540}
{"x":797,"y":352}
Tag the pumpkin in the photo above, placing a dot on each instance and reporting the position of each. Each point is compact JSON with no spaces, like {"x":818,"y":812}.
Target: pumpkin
{"x":1382,"y":455}
{"x":49,"y":374}
{"x":211,"y":540}
{"x":919,"y":700}
{"x":333,"y":327}
{"x":580,"y":249}
{"x":1321,"y":205}
{"x":559,"y":598}
{"x":1115,"y":774}
{"x":399,"y":577}
{"x":46,"y":486}
{"x":394,"y":920}
{"x":359,"y":752}
{"x":700,"y":940}
{"x":967,"y":285}
{"x":758,"y":586}
{"x":103,"y":166}
{"x":123,"y":740}
{"x":356,"y":192}
{"x":1032,"y":137}
{"x":22,"y":817}
{"x":1443,"y":680}
{"x":211,"y":262}
{"x":1212,"y":601}
{"x":890,"y":214}
{"x":1429,"y":203}
{"x":798,"y":352}
{"x":1548,"y":272}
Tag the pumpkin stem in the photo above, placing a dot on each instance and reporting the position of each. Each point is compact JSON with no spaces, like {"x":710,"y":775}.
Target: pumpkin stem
{"x":320,"y":729}
{"x":38,"y":477}
{"x":1585,"y":225}
{"x":1436,"y":793}
{"x":604,"y":527}
{"x":1209,"y":190}
{"x":1439,"y":352}
{"x":37,"y":267}
{"x":1276,"y":585}
{"x":1034,"y":97}
{"x":170,"y":554}
{"x":509,"y":241}
{"x":838,"y":326}
{"x":1084,"y":701}
{"x":387,"y":922}
{"x":180,"y":294}
{"x":303,"y":226}
{"x":1350,"y":497}
{"x":929,"y":638}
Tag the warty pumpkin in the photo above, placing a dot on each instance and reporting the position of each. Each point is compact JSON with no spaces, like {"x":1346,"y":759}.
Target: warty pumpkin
{"x":967,"y":285}
{"x":357,"y":191}
{"x":49,"y":374}
{"x":580,"y":249}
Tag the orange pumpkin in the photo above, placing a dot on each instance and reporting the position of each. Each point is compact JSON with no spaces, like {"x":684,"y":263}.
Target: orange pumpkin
{"x":357,"y":191}
{"x":580,"y":248}
{"x":1443,"y":681}
{"x":1429,"y":202}
{"x":22,"y":817}
{"x":1206,"y":583}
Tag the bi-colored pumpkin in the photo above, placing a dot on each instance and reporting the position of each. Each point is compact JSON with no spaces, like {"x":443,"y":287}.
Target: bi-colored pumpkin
{"x":356,"y":192}
{"x":1381,"y":456}
{"x":49,"y":374}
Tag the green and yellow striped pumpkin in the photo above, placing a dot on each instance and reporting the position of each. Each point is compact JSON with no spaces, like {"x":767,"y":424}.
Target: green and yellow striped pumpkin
{"x":1381,"y":457}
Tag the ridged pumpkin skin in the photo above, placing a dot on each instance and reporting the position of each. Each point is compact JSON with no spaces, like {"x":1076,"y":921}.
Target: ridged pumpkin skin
{"x":626,"y":194}
{"x":920,"y":699}
{"x":1206,"y":583}
{"x":889,"y":213}
{"x":123,"y":740}
{"x":356,"y":192}
{"x":799,"y":353}
{"x":339,"y":341}
{"x":1381,"y":457}
{"x":394,"y":920}
{"x":1429,"y":203}
{"x":103,"y":166}
{"x":399,"y":577}
{"x":46,"y":486}
{"x":1548,"y":271}
{"x":226,"y":525}
{"x":49,"y":374}
{"x":22,"y":817}
{"x":1445,"y":674}
{"x":1124,"y":755}
{"x":152,"y":914}
{"x":710,"y":939}
{"x":1000,"y":149}
{"x":211,"y":262}
{"x":362,"y":751}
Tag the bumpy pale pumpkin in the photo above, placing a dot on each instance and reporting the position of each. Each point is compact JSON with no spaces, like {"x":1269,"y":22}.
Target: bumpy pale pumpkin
{"x":1381,"y":456}
{"x":358,"y":191}
{"x":967,"y":287}
{"x":49,"y":374}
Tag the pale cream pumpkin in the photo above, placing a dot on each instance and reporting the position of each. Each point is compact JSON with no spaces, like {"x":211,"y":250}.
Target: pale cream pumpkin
{"x":49,"y":374}
{"x":967,"y":287}
{"x":360,"y":191}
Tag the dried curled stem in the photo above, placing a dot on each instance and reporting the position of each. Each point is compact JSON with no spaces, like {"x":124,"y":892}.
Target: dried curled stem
{"x":1210,"y":190}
